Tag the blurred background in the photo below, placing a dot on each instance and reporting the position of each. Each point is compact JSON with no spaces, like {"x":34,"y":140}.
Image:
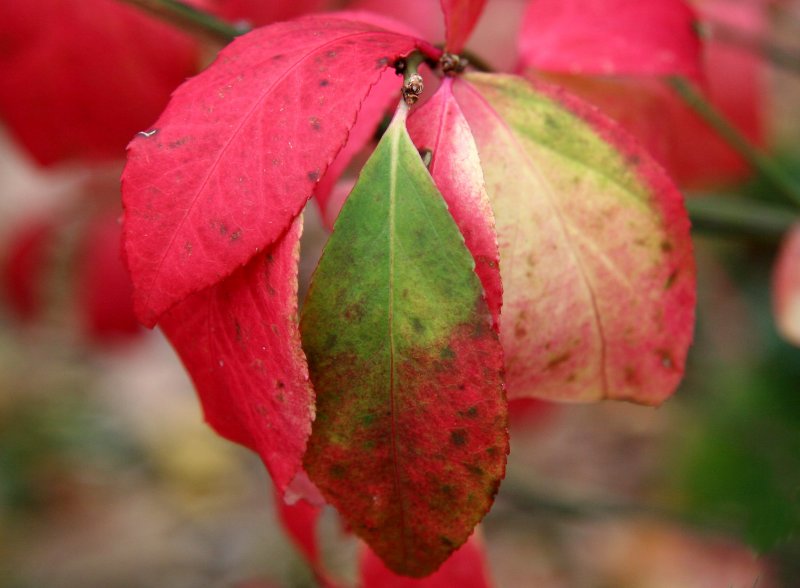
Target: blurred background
{"x":108,"y":474}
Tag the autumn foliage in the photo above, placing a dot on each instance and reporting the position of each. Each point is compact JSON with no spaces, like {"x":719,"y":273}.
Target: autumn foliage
{"x":504,"y":240}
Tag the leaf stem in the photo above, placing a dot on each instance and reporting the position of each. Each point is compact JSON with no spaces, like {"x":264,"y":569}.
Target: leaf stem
{"x":752,"y":154}
{"x":730,"y":216}
{"x":191,"y":19}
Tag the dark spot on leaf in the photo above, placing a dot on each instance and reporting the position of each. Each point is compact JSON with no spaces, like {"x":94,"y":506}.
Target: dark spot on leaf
{"x":178,"y":143}
{"x":417,"y":325}
{"x":630,"y":376}
{"x":277,"y":56}
{"x":274,"y":329}
{"x":280,"y":397}
{"x":558,"y":360}
{"x":236,"y":234}
{"x":354,"y":312}
{"x":448,"y":490}
{"x":315,"y":124}
{"x":462,"y":386}
{"x":188,"y":247}
{"x":492,"y":451}
{"x":368,"y":419}
{"x":666,"y":246}
{"x":279,"y":384}
{"x":323,"y":82}
{"x":337,"y":470}
{"x":238,"y":329}
{"x":447,"y":353}
{"x":223,"y":229}
{"x":472,"y":412}
{"x":261,"y":409}
{"x":458,"y":437}
{"x":313,"y":175}
{"x":332,"y":54}
{"x":447,"y":541}
{"x":520,"y":331}
{"x":381,"y":63}
{"x":271,"y":290}
{"x":666,"y":359}
{"x":474,"y":469}
{"x":633,"y":159}
{"x":671,"y":280}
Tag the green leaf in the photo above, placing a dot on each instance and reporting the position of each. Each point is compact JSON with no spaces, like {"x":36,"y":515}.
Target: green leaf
{"x":410,"y":438}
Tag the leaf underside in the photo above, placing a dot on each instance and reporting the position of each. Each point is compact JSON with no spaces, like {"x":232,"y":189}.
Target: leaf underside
{"x":410,"y":439}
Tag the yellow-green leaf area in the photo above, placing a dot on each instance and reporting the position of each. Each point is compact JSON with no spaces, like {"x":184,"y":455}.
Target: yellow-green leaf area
{"x":540,"y":122}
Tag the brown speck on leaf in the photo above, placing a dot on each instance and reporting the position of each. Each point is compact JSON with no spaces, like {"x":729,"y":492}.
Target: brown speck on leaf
{"x":314,"y":122}
{"x":323,"y":82}
{"x":671,"y":280}
{"x":236,"y":234}
{"x":458,"y":437}
{"x":381,"y":63}
{"x":332,"y":54}
{"x":558,"y":360}
{"x":666,"y":359}
{"x":313,"y":176}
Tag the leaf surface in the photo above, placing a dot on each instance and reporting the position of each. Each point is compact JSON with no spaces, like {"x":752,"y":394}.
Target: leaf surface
{"x":240,"y":148}
{"x":460,"y":18}
{"x":641,"y":37}
{"x":595,"y":254}
{"x":466,"y":568}
{"x":410,"y":440}
{"x":440,"y":127}
{"x":786,"y":287}
{"x":240,"y":343}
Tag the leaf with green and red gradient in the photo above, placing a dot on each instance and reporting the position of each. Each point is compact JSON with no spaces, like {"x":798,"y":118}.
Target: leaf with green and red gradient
{"x":595,"y":254}
{"x":460,"y":18}
{"x":240,"y":148}
{"x":639,"y":37}
{"x":466,"y":568}
{"x":410,"y":438}
{"x":81,"y":78}
{"x":439,"y":126}
{"x":786,"y":287}
{"x":240,"y":343}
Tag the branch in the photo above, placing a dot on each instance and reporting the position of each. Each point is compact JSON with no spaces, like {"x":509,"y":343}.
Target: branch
{"x":727,"y":131}
{"x":191,"y":19}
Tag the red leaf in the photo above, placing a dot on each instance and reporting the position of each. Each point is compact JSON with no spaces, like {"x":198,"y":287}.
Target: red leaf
{"x":82,"y":77}
{"x":28,"y":253}
{"x":440,"y":126}
{"x":300,"y":522}
{"x":104,"y":289}
{"x":641,"y":37}
{"x":466,"y":568}
{"x":240,"y":149}
{"x":693,"y":152}
{"x":263,"y":12}
{"x":596,"y":258}
{"x":786,"y":287}
{"x":460,"y":17}
{"x":423,"y":15}
{"x":240,"y":342}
